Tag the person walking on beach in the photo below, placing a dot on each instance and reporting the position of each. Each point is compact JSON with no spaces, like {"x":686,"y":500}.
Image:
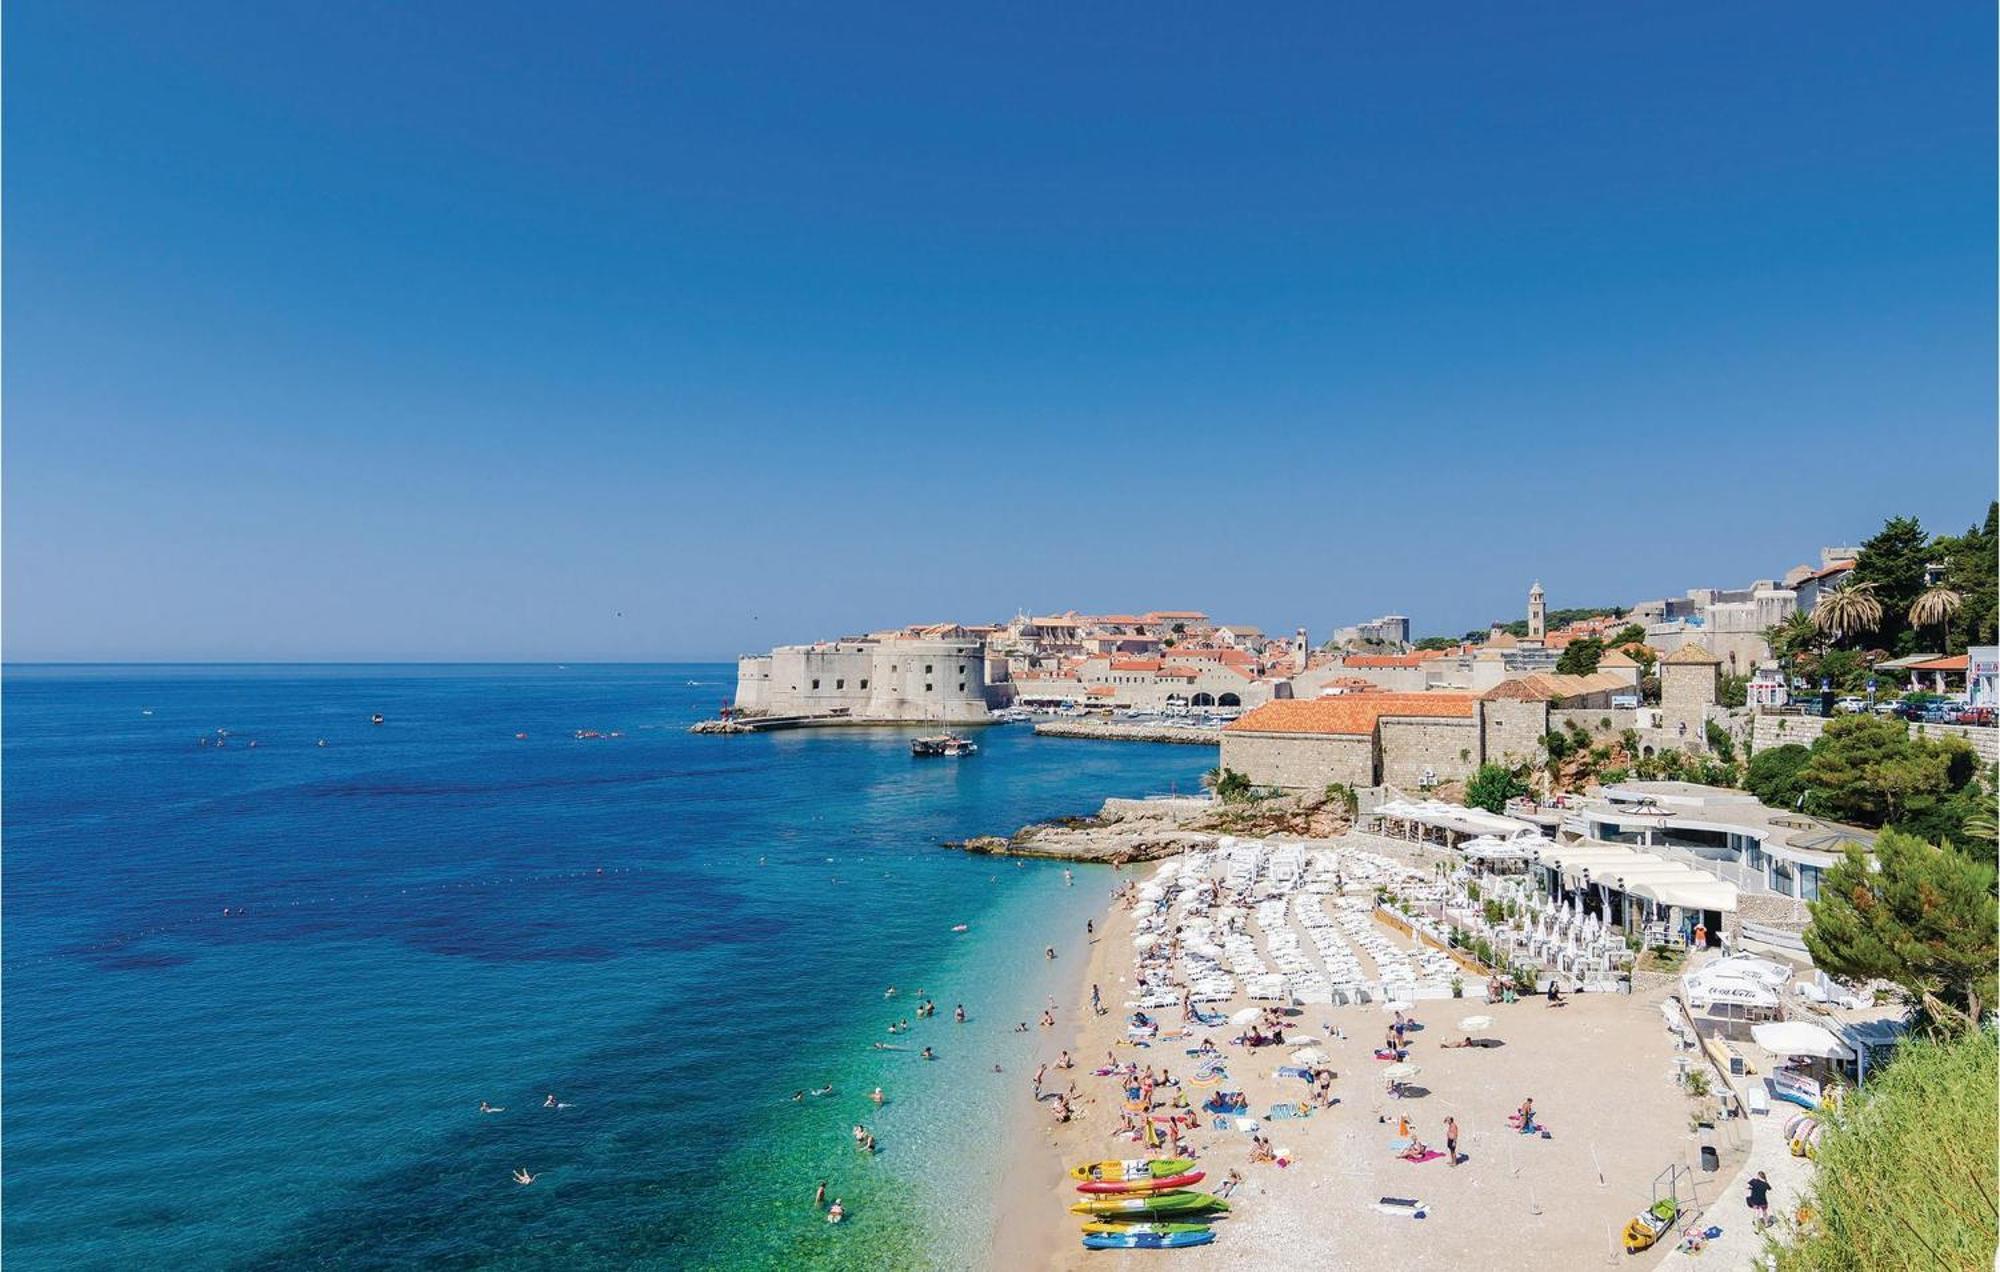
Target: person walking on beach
{"x":1096,"y":1000}
{"x":1760,"y":1200}
{"x":1451,"y":1138}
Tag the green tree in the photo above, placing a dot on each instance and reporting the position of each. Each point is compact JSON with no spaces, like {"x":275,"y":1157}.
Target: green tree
{"x":1229,"y":786}
{"x":1972,"y":569}
{"x":1937,"y":605}
{"x":1849,"y":612}
{"x":1732,"y":691}
{"x":1867,"y":770}
{"x":1773,"y":776}
{"x":1630,"y":634}
{"x":1920,"y":916}
{"x":1891,"y":567}
{"x":1581,"y":657}
{"x":1720,"y":742}
{"x":1438,"y":642}
{"x":1492,"y":786}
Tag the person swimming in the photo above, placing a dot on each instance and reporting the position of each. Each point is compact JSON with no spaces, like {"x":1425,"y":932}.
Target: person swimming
{"x":484,"y":1107}
{"x":825,"y":1090}
{"x":836,"y":1212}
{"x":523,"y":1177}
{"x":876,"y":1095}
{"x":928,"y":1054}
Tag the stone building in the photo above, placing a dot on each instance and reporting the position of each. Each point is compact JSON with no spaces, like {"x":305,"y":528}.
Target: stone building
{"x":938,"y":675}
{"x":1688,"y":694}
{"x":1358,"y":740}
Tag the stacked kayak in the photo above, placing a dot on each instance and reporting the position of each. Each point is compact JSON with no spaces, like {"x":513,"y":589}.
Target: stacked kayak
{"x":1144,"y":1204}
{"x":1167,"y":1203}
{"x":1202,"y":1235}
{"x":1149,"y":1184}
{"x":1132,"y":1170}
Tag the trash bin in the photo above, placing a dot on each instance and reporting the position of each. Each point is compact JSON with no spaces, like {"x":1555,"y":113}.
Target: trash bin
{"x":1710,"y":1161}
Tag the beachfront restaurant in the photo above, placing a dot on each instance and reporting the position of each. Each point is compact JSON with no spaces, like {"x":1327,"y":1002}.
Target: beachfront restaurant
{"x":1729,"y":833}
{"x":1636,"y":891}
{"x":1474,"y":831}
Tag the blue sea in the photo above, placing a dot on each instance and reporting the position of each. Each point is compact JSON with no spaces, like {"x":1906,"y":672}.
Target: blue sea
{"x":255,"y":994}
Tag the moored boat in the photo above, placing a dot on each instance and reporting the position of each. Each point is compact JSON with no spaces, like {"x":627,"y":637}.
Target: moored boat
{"x":949,"y":744}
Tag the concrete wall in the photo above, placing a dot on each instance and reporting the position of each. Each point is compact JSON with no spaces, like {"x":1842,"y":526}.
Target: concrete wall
{"x":1777,"y":730}
{"x":1621,"y":718}
{"x":1448,"y":749}
{"x":1300,"y":761}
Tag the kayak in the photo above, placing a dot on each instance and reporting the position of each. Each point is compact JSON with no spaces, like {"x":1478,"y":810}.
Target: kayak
{"x":1147,"y":1240}
{"x":1172,"y":1203}
{"x":1114,"y":1227}
{"x":1135,"y":1168}
{"x":1165,"y":1183}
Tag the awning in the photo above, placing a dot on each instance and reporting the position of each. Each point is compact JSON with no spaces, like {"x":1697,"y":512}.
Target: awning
{"x":1800,"y":1038}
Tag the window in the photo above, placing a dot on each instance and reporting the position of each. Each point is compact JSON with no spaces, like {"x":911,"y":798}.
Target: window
{"x":961,"y":686}
{"x":815,"y":684}
{"x":840,"y":684}
{"x":927,"y":669}
{"x":927,"y":688}
{"x":864,"y":684}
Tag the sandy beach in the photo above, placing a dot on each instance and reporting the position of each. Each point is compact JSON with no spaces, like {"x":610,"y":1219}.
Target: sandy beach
{"x":1601,"y":1071}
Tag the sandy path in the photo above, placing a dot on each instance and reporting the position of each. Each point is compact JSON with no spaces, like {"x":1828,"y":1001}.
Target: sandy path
{"x":1600,"y":1070}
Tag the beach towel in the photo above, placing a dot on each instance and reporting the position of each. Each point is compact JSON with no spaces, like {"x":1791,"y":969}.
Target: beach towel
{"x":1294,"y":1071}
{"x":1402,"y":1207}
{"x":1283,"y":1112}
{"x":1429,"y":1154}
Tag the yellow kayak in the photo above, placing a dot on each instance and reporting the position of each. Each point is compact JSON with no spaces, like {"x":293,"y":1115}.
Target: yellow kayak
{"x":1133,"y":1169}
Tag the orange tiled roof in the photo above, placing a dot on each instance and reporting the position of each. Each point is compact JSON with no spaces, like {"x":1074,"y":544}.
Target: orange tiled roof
{"x":1102,"y":691}
{"x":1386,"y":660}
{"x":1135,"y":664}
{"x":1956,"y":662}
{"x":1352,"y":714}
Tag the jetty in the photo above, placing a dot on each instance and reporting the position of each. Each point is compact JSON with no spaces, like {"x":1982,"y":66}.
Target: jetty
{"x":1116,"y":731}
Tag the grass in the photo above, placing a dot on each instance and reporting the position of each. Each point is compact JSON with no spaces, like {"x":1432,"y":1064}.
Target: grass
{"x":1907,"y":1168}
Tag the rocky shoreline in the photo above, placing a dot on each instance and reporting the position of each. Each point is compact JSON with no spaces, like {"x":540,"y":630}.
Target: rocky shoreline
{"x":1128,"y":830}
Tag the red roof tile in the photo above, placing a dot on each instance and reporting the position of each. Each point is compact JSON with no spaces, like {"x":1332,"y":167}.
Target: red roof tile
{"x":1352,"y":714}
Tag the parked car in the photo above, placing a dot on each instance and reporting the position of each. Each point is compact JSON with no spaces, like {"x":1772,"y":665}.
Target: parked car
{"x":1850,"y":704}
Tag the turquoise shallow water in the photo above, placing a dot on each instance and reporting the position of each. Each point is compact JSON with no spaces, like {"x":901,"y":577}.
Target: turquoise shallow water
{"x":672,"y":933}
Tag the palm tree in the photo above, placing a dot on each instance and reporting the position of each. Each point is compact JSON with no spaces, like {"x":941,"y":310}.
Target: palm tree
{"x":1937,"y":604}
{"x":1848,"y":611}
{"x":1793,"y":638}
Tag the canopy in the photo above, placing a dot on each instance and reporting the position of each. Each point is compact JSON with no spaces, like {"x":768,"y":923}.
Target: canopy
{"x":1800,"y":1038}
{"x":1641,"y":874}
{"x":1453,"y":817}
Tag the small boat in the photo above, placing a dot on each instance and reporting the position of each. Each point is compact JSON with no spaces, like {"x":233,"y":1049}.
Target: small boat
{"x":1162,"y":1183}
{"x":1170,"y":1203}
{"x":376,"y":718}
{"x":1148,"y":1240}
{"x":944,"y":744}
{"x":1118,"y":1227}
{"x":1133,"y":1168}
{"x":1650,"y":1224}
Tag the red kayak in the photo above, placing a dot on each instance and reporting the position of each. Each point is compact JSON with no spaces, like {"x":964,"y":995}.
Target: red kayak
{"x":1142,"y":1185}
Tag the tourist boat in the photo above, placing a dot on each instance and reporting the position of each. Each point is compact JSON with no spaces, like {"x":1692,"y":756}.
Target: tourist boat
{"x":1165,"y":1183}
{"x":1133,"y":1168}
{"x":1149,"y":1240}
{"x":944,"y":744}
{"x":1171,"y":1203}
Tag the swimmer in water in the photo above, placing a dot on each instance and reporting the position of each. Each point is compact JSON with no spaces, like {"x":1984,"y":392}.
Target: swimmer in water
{"x":819,"y":1195}
{"x":523,"y":1177}
{"x":550,"y":1102}
{"x":484,"y":1107}
{"x":825,"y":1090}
{"x":876,"y":1095}
{"x":928,"y":1054}
{"x":836,"y":1212}
{"x":798,"y":1097}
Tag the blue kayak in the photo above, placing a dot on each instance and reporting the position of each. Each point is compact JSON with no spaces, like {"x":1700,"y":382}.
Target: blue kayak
{"x":1146,"y":1240}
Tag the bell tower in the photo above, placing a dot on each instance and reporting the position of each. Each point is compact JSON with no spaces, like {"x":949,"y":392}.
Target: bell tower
{"x":1538,"y":613}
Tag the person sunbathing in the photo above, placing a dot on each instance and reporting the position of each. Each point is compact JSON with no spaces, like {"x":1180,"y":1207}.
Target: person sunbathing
{"x":1462,"y":1042}
{"x":1416,"y":1152}
{"x":1261,"y":1151}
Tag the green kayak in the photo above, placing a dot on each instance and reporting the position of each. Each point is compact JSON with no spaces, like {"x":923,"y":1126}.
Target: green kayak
{"x":1132,"y":1227}
{"x":1170,"y":1203}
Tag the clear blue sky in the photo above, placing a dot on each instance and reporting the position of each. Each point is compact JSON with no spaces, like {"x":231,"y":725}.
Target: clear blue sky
{"x":369,"y":330}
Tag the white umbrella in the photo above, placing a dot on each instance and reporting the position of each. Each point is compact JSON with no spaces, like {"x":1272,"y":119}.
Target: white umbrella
{"x":1399,"y":1072}
{"x":1309,"y":1055}
{"x":1152,"y":892}
{"x":1144,"y":941}
{"x":1476,"y":1024}
{"x":1248,"y":1016}
{"x":1397,"y":1004}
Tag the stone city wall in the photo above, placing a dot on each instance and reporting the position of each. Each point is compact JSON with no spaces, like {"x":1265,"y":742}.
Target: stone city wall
{"x":1448,"y":749}
{"x":1301,"y":761}
{"x":1777,"y":730}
